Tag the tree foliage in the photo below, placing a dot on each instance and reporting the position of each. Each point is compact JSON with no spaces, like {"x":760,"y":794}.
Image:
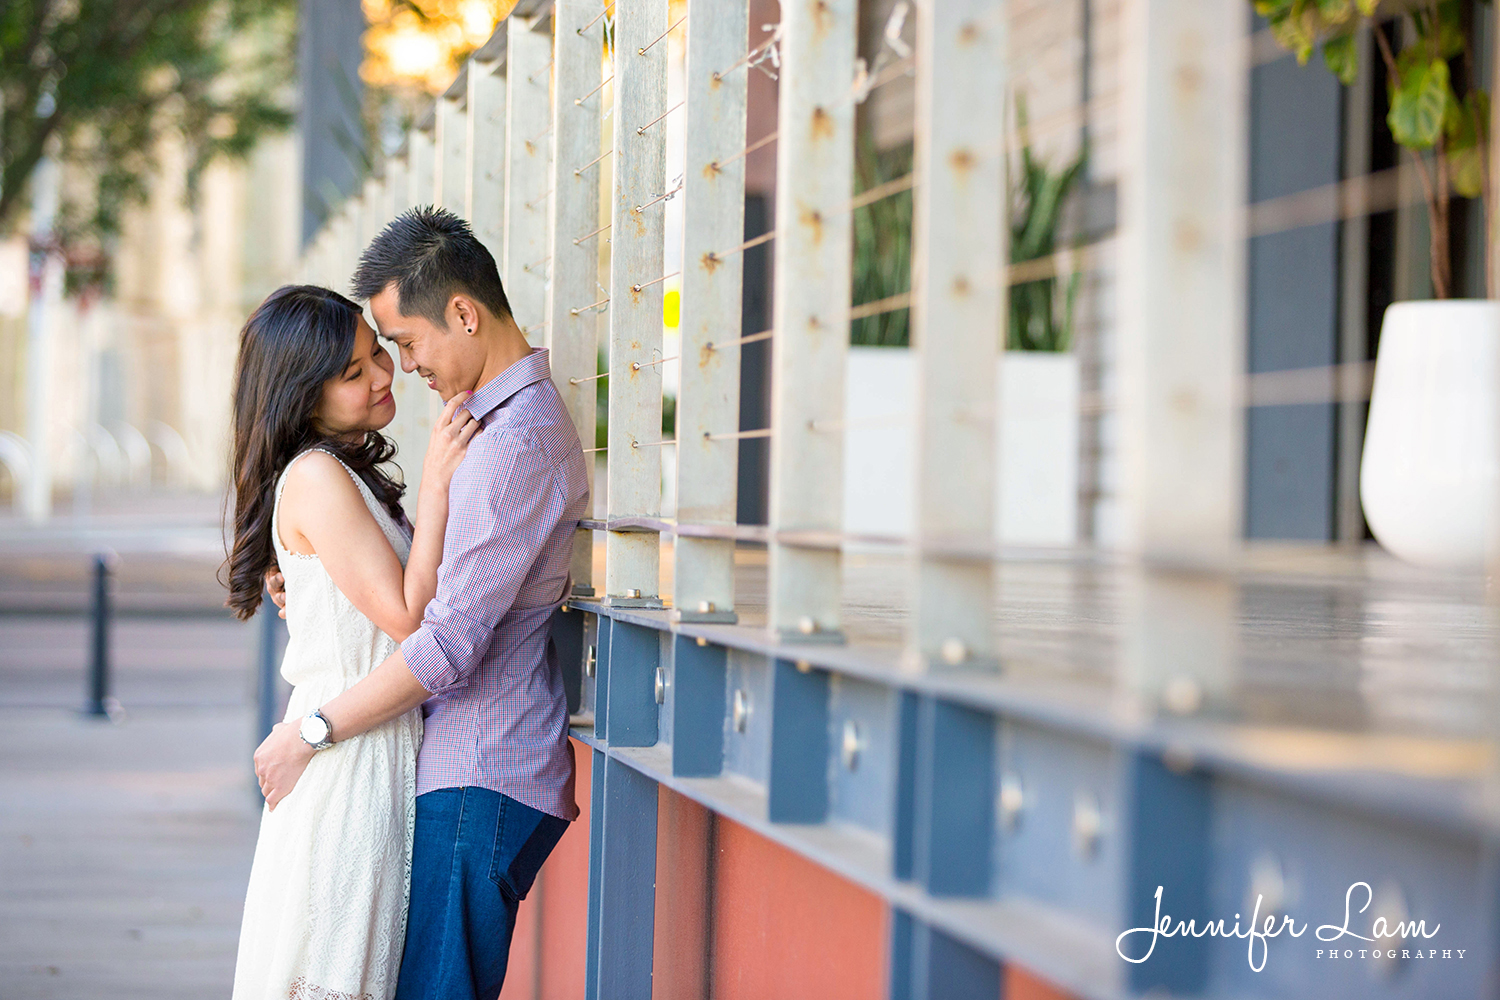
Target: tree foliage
{"x":1428,"y":114}
{"x":99,"y":82}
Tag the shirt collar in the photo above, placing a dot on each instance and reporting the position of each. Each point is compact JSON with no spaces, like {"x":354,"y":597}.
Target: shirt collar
{"x":531,"y":369}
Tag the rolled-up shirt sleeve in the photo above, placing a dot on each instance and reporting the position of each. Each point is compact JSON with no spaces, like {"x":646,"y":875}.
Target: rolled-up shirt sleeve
{"x":503,"y":505}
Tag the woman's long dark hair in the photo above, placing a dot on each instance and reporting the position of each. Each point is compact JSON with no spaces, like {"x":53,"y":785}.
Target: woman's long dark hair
{"x":296,"y":340}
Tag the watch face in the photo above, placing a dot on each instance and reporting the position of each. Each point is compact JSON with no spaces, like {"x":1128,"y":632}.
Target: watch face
{"x":314,"y":729}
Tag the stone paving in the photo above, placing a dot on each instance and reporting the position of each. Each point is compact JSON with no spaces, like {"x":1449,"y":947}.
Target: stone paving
{"x":124,"y":846}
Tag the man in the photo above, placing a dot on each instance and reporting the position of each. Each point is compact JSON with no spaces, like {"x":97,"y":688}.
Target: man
{"x":495,"y":772}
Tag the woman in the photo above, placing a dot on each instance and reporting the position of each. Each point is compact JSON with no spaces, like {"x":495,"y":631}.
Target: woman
{"x":325,"y":913}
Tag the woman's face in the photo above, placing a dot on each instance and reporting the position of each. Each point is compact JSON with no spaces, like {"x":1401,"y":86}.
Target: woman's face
{"x":358,"y":399}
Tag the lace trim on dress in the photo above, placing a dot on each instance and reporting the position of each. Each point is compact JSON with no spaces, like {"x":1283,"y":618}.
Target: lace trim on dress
{"x":303,"y":990}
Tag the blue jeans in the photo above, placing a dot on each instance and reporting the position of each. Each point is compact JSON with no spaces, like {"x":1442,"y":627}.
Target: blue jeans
{"x":475,"y":853}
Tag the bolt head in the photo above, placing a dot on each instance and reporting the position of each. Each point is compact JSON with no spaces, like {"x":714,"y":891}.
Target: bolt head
{"x":705,"y":606}
{"x":954,"y":652}
{"x":851,"y":745}
{"x":806,"y":625}
{"x":633,"y":592}
{"x":1182,"y":696}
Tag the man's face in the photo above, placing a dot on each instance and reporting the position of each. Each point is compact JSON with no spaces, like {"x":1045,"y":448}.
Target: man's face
{"x":448,"y":358}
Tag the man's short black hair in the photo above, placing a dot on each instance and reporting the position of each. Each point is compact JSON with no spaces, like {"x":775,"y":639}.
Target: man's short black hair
{"x":431,"y":254}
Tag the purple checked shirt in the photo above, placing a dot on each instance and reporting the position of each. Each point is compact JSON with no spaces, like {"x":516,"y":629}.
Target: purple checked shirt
{"x":498,"y":717}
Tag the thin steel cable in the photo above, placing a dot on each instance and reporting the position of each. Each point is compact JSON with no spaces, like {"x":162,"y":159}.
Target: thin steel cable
{"x":578,"y":101}
{"x":595,"y":160}
{"x":757,"y":241}
{"x":661,"y":197}
{"x":592,"y":305}
{"x":589,"y":236}
{"x":645,"y":48}
{"x":653,"y":281}
{"x":738,"y":435}
{"x":607,"y":8}
{"x":717,"y":165}
{"x":750,"y":339}
{"x":643,"y":128}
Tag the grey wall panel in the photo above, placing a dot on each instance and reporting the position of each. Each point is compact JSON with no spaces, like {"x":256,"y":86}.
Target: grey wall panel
{"x":861,"y":788}
{"x":1295,"y":137}
{"x":1038,"y":855}
{"x":747,"y":752}
{"x":1303,"y":856}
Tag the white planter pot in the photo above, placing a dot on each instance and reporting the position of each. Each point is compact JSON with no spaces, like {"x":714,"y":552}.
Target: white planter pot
{"x":1037,"y":502}
{"x":1430,"y":473}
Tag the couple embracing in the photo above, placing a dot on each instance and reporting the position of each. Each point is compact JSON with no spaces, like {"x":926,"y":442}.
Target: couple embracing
{"x":424,"y":771}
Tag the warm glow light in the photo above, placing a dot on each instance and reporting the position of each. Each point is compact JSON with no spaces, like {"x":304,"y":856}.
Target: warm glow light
{"x":403,"y":48}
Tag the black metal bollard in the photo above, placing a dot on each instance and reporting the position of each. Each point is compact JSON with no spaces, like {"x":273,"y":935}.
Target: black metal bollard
{"x":98,"y":693}
{"x":267,"y":692}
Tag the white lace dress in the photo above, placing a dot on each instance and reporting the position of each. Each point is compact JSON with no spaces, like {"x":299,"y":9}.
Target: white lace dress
{"x":325,"y":913}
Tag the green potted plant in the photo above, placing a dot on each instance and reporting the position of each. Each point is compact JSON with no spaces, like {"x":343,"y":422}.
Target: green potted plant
{"x":1430,"y":475}
{"x":1039,"y":381}
{"x":1038,"y":492}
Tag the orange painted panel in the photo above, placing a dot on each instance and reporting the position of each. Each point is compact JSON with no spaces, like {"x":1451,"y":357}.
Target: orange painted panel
{"x":789,"y":929}
{"x":1018,"y":984}
{"x":680,"y":939}
{"x":561,"y":895}
{"x":521,"y":972}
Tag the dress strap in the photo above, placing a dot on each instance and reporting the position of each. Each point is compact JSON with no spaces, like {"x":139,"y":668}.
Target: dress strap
{"x":276,"y":505}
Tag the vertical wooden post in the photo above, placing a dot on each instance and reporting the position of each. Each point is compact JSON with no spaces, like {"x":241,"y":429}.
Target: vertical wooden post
{"x":415,"y":402}
{"x":484,"y":174}
{"x":622,"y":883}
{"x":958,"y":321}
{"x":814,"y":182}
{"x":371,"y":219}
{"x":572,"y":335}
{"x":312,"y":259}
{"x":708,"y":399}
{"x":451,"y":141}
{"x":528,"y":153}
{"x":351,"y":227}
{"x":395,"y":188}
{"x":420,"y":166}
{"x":1182,"y":343}
{"x":632,"y":558}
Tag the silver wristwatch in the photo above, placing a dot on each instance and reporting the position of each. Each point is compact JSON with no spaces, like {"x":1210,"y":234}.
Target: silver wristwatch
{"x":316,"y":732}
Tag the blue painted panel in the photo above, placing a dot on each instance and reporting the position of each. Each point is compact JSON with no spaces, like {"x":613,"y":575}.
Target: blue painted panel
{"x":946,"y":969}
{"x":601,"y":679}
{"x":596,"y":827}
{"x":698,"y":709}
{"x":903,"y":930}
{"x":569,"y":648}
{"x":664,"y":713}
{"x":904,"y":820}
{"x":748,"y":753}
{"x":1311,"y":853}
{"x":955,"y":798}
{"x":1037,"y":856}
{"x":1293,"y":291}
{"x":863,"y":795}
{"x":799,"y":745}
{"x":627,"y":876}
{"x":1167,"y":830}
{"x":1290,"y":457}
{"x":634,"y":652}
